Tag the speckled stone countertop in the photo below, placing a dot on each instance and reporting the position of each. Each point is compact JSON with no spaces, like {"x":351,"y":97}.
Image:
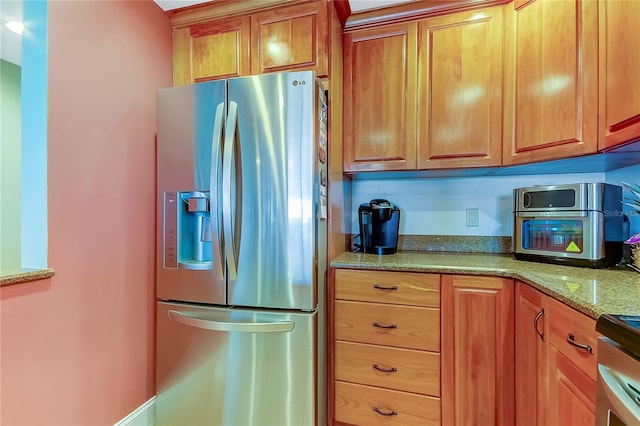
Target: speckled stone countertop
{"x":24,"y":276}
{"x":591,"y":291}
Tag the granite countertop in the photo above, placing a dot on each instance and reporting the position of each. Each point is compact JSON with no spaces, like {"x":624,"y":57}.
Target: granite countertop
{"x":591,"y":291}
{"x":24,"y":276}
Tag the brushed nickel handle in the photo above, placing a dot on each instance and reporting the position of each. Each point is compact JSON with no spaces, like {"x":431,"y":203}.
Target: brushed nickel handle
{"x":385,"y":413}
{"x":376,"y":324}
{"x":535,"y":323}
{"x":571,"y":339}
{"x":384,"y":370}
{"x":389,"y":288}
{"x":192,"y":320}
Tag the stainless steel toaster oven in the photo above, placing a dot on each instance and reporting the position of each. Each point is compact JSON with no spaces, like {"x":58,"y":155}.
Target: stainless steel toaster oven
{"x":580,"y":224}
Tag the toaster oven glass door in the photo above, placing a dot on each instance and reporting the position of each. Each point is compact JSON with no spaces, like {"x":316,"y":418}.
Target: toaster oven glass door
{"x":554,"y":235}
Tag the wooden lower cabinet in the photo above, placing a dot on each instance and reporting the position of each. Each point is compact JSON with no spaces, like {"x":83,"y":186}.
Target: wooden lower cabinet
{"x":555,"y":364}
{"x":366,"y":405}
{"x":477,"y":350}
{"x":386,"y":348}
{"x":531,"y":354}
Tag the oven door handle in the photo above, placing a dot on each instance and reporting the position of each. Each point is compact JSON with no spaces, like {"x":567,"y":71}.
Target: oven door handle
{"x":620,"y":402}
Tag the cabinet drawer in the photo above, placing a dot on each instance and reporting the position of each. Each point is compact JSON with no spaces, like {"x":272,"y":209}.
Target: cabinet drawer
{"x":564,"y":321}
{"x":400,"y":326}
{"x":411,"y":370}
{"x":356,"y":404}
{"x":401,"y":288}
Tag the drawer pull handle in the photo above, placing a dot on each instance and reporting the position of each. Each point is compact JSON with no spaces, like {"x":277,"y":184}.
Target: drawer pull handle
{"x":388,"y":288}
{"x":385,"y":413}
{"x":384,"y":370}
{"x":535,"y":323}
{"x":376,"y":324}
{"x":571,"y":339}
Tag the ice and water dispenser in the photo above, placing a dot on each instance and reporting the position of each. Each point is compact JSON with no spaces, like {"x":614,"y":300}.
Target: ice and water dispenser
{"x":187,"y":230}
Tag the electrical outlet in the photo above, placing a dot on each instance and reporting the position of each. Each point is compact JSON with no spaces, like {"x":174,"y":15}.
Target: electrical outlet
{"x":473,"y":217}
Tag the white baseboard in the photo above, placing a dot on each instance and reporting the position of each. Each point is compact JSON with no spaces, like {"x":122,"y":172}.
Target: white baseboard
{"x":144,"y":415}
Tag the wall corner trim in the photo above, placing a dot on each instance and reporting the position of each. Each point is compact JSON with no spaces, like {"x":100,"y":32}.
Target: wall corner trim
{"x":144,"y":415}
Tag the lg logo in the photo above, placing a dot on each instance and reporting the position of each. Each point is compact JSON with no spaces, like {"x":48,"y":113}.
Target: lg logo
{"x":299,"y":83}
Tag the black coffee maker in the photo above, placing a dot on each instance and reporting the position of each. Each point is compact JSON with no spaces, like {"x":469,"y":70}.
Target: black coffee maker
{"x":379,"y":225}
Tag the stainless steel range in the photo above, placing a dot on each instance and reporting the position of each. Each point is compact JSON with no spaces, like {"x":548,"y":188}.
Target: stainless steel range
{"x":618,"y":387}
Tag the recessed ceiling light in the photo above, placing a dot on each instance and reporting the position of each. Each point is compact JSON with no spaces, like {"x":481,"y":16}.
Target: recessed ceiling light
{"x":15,"y":26}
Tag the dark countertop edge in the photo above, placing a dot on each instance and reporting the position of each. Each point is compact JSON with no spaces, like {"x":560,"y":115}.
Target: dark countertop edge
{"x":25,"y":276}
{"x":460,"y":270}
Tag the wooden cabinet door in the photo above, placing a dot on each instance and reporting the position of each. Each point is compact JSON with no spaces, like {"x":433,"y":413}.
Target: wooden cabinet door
{"x":572,"y":394}
{"x":212,"y":50}
{"x":460,"y":90}
{"x":531,"y":353}
{"x":477,"y":352}
{"x":551,"y":87}
{"x":619,"y":71}
{"x":291,"y":38}
{"x":380,"y":98}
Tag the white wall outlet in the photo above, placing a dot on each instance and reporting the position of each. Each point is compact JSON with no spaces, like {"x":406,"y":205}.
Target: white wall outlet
{"x":473,"y":217}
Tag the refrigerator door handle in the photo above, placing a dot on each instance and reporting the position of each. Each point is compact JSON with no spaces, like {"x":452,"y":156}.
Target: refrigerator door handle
{"x":213,"y":177}
{"x":243,"y":327}
{"x":227,"y":163}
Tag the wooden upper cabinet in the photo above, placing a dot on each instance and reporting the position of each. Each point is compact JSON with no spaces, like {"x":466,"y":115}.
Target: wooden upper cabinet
{"x":460,"y":90}
{"x":276,"y":37}
{"x":211,"y":50}
{"x":380,"y":98}
{"x":551,"y":87}
{"x":294,"y":38}
{"x":619,"y":71}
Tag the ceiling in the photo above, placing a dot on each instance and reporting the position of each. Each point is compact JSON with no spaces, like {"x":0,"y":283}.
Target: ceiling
{"x":11,"y":10}
{"x":356,"y":5}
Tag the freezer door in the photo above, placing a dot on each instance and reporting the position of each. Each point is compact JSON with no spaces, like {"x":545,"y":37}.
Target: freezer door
{"x":271,"y":169}
{"x":230,"y":367}
{"x":190,"y":263}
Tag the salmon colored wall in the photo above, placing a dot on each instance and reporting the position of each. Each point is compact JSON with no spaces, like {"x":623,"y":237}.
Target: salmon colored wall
{"x":78,"y":349}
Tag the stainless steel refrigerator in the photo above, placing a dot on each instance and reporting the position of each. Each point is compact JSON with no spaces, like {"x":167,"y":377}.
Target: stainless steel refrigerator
{"x":241,"y":259}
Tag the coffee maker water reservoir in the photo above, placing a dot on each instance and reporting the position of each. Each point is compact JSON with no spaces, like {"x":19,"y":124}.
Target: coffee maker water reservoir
{"x":379,"y":226}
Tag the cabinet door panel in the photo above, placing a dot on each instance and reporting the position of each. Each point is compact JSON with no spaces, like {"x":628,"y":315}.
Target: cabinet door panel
{"x":380,"y":96}
{"x":290,"y":39}
{"x":619,"y":71}
{"x":460,"y":90}
{"x":213,"y":50}
{"x":550,"y":108}
{"x":572,"y":396}
{"x":531,"y":356}
{"x":477,"y":354}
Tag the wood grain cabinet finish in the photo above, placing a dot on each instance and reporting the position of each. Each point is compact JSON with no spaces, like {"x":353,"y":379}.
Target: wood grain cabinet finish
{"x":211,"y":50}
{"x":531,"y":354}
{"x":386,"y":348}
{"x":477,"y":350}
{"x":556,"y":363}
{"x":380,"y":98}
{"x":551,"y":86}
{"x":287,"y":37}
{"x":294,"y":38}
{"x":572,"y":366}
{"x":460,"y":75}
{"x":619,"y":71}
